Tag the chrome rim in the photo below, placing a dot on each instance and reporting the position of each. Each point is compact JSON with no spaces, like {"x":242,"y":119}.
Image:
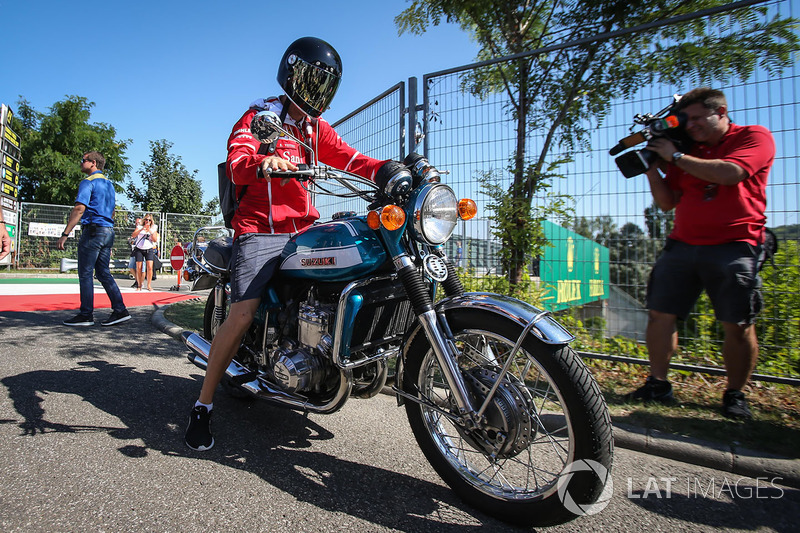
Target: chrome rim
{"x":531,"y":470}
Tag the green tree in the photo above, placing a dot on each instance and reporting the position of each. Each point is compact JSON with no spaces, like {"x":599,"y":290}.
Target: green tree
{"x":166,"y":186}
{"x":659,"y":224}
{"x":631,"y":253}
{"x":562,"y":93}
{"x":52,"y":145}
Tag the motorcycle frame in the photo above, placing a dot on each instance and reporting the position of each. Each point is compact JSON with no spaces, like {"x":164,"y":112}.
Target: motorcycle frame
{"x":432,"y":322}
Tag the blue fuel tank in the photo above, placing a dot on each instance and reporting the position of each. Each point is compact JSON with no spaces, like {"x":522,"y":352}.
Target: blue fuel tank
{"x":342,"y":250}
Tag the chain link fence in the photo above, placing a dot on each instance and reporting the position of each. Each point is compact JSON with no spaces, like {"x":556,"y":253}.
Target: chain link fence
{"x":471,"y":136}
{"x":40,"y":226}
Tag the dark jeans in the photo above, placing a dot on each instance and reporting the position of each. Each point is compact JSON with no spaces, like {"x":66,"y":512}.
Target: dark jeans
{"x":94,"y":253}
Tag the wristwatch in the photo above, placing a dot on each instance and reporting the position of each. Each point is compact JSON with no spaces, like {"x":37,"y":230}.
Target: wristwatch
{"x":65,"y":234}
{"x":676,"y":156}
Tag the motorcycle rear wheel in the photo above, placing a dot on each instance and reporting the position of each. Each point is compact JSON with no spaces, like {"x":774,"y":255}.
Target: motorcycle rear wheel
{"x":211,"y":323}
{"x":552,"y":410}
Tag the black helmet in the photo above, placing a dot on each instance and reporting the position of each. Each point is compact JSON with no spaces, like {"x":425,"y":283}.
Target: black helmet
{"x":309,"y":74}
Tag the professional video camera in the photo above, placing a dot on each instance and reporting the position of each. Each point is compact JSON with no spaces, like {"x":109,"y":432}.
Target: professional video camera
{"x":665,"y":123}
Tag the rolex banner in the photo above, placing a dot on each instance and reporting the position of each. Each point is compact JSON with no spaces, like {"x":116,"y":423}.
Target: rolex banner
{"x":574,"y":271}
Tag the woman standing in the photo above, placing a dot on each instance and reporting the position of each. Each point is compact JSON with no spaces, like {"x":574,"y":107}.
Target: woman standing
{"x":145,"y":241}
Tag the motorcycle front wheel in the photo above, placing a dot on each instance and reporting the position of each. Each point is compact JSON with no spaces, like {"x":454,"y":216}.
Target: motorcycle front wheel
{"x":547,"y":422}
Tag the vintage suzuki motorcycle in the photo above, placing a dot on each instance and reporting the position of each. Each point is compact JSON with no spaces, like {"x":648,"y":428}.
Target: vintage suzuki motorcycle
{"x":503,"y":409}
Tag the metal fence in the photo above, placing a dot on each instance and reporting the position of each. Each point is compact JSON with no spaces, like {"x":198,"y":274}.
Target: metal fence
{"x":468,"y":135}
{"x":40,"y":226}
{"x":375,"y":128}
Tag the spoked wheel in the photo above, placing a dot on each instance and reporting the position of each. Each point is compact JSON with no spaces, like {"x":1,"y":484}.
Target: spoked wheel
{"x":546,"y":414}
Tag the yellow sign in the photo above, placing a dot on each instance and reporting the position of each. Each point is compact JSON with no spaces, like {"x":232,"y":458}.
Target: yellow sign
{"x":10,"y":163}
{"x":11,"y":136}
{"x":10,"y":176}
{"x":10,"y":190}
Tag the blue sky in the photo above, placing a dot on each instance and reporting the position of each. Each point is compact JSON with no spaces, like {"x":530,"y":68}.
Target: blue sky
{"x":185,"y":71}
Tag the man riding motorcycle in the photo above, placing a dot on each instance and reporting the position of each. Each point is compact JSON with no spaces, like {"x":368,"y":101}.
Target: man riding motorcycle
{"x":269,"y":212}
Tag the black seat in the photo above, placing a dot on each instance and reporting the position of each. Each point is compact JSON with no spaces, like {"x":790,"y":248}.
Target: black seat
{"x":218,"y":254}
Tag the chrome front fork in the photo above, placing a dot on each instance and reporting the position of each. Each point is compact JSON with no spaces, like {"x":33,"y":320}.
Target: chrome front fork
{"x":447,"y":355}
{"x":437,"y":333}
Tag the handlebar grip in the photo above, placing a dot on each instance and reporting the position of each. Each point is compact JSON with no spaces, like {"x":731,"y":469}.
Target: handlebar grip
{"x":302,"y":173}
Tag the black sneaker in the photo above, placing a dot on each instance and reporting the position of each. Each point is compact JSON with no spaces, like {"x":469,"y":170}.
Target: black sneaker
{"x":116,"y":317}
{"x":79,"y":320}
{"x":734,"y":405}
{"x":135,"y":285}
{"x":653,"y":390}
{"x":198,"y":434}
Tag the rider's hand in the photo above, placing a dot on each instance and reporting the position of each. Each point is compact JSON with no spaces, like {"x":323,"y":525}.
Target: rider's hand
{"x":275,"y":163}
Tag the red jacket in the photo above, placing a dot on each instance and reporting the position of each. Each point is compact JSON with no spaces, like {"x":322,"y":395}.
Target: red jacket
{"x":268,"y":207}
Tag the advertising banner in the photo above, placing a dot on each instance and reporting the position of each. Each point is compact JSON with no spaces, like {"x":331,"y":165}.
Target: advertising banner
{"x":574,"y":271}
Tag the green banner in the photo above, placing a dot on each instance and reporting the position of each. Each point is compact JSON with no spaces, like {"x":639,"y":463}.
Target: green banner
{"x":574,"y":271}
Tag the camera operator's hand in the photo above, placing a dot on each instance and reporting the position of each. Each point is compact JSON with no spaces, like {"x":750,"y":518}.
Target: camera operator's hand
{"x":663,"y":147}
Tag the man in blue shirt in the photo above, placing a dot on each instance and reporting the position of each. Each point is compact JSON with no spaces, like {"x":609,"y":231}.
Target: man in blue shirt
{"x":94,"y":209}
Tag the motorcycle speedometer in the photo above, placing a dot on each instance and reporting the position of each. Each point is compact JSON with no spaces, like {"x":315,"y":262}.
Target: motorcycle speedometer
{"x":435,"y":214}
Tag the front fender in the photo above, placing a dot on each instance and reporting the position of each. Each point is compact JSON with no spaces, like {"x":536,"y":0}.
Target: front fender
{"x":545,"y":327}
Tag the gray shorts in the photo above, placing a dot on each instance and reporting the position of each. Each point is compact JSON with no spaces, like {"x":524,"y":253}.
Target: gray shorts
{"x":254,"y":260}
{"x":727,"y":272}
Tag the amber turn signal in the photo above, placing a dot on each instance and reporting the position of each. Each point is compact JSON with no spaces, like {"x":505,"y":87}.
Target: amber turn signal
{"x":393,"y":217}
{"x":467,"y":208}
{"x":374,"y":220}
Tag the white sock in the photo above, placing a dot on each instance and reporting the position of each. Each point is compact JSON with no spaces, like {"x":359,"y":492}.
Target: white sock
{"x":208,"y":406}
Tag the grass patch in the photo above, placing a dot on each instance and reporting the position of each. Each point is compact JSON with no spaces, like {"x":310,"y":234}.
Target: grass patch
{"x":775,"y":427}
{"x":187,"y":314}
{"x":776,"y":408}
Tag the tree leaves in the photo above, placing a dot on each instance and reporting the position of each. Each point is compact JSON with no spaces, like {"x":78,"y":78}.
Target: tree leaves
{"x":53,"y":144}
{"x":165,"y":184}
{"x":558,"y":96}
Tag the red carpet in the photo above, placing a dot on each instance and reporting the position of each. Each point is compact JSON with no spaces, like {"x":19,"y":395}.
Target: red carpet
{"x":62,"y":294}
{"x":57,"y":302}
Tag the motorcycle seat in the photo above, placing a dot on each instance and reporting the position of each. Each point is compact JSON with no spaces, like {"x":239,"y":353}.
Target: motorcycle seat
{"x":218,"y":254}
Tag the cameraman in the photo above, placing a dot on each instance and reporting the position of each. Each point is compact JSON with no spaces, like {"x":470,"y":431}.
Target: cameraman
{"x":718,"y":191}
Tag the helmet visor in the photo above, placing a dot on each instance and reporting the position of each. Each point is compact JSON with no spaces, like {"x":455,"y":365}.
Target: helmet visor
{"x":314,"y":88}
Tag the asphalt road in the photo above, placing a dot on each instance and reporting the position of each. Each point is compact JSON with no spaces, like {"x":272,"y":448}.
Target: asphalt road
{"x":91,"y":439}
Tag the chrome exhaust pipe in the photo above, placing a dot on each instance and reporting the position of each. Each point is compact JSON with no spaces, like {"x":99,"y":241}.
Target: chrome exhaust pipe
{"x":260,"y":387}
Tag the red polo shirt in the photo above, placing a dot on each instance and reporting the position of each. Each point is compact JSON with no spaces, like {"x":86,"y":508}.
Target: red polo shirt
{"x":715,"y":214}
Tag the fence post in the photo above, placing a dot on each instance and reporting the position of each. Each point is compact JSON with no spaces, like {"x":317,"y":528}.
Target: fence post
{"x":412,"y":114}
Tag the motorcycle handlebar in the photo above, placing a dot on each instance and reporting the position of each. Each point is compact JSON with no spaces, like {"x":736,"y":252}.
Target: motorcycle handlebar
{"x":303,"y":173}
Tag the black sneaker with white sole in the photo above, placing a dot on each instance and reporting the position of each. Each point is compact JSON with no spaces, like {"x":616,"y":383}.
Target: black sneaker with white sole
{"x":198,"y":433}
{"x":79,"y":320}
{"x":116,"y":317}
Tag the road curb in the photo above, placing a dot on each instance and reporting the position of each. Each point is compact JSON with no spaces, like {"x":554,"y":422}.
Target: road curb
{"x":726,"y":458}
{"x":162,"y":324}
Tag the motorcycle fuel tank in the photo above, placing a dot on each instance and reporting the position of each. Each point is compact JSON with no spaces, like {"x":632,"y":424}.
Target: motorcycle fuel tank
{"x":341,"y":250}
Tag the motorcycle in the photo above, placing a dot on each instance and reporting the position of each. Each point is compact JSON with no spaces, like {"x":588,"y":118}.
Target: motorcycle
{"x":500,"y":404}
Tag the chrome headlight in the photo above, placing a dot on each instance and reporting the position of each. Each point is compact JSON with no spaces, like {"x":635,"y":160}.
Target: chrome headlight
{"x":435,"y":213}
